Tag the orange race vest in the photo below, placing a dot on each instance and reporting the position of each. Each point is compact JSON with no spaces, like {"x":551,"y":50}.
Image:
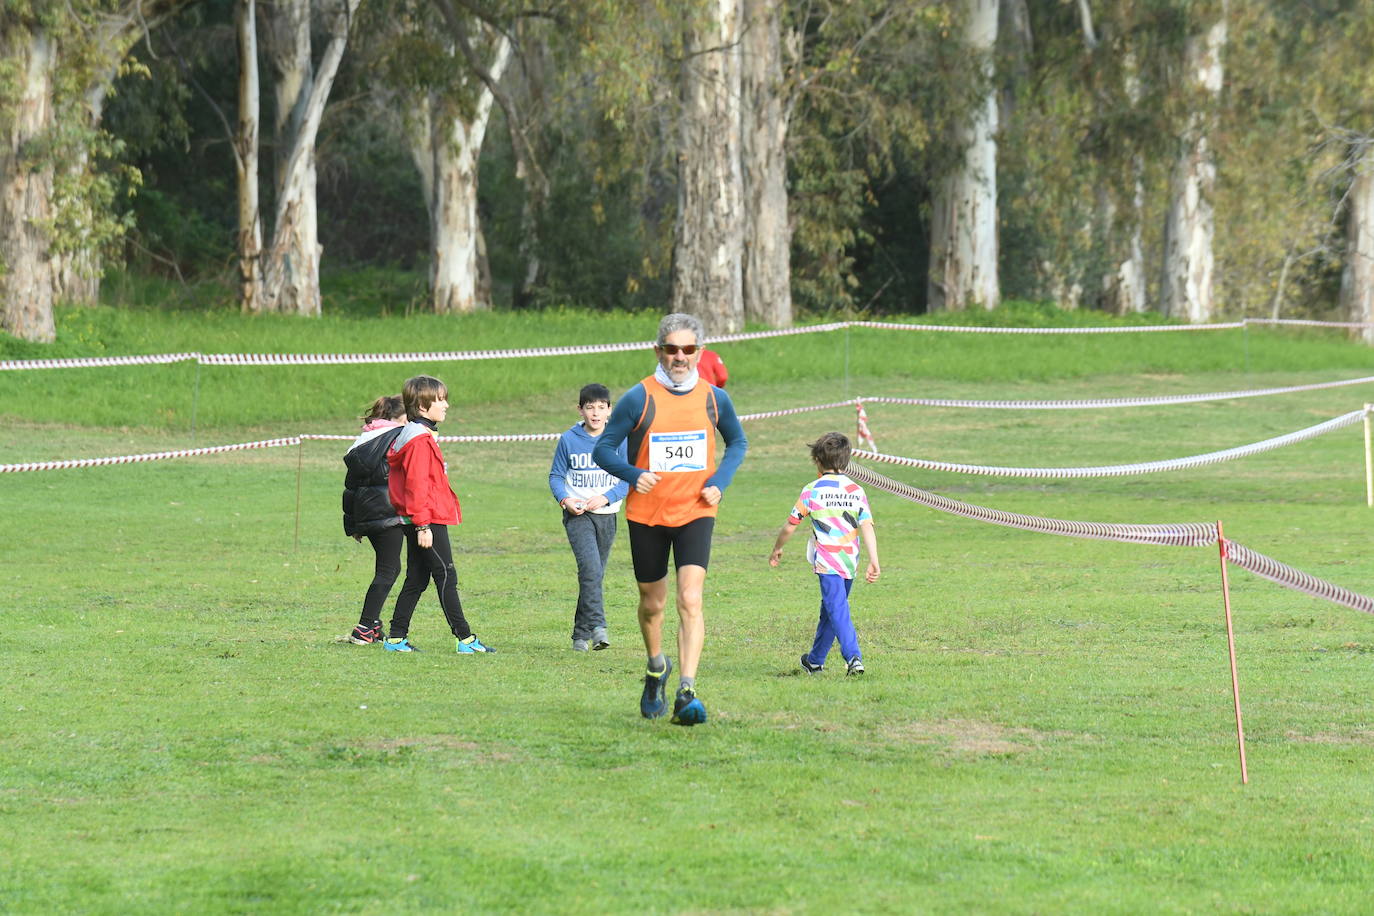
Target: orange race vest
{"x":676,"y":439}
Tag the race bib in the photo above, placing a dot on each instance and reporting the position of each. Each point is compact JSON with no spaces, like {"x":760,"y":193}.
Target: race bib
{"x":680,"y":451}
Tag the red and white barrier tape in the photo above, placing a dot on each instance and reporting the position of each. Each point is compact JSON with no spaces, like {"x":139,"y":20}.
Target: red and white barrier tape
{"x":1196,"y":534}
{"x":151,"y":456}
{"x":1296,"y":579}
{"x":1123,"y":470}
{"x":317,"y":359}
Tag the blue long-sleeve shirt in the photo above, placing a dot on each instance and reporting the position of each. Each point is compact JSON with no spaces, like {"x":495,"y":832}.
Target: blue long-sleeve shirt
{"x":574,"y":472}
{"x":627,"y":413}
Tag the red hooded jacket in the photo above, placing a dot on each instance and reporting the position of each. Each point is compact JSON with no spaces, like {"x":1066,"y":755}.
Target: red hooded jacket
{"x":418,"y":484}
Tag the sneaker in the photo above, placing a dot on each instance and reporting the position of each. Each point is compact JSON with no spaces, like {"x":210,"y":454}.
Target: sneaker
{"x":365,"y":635}
{"x":687,"y":709}
{"x":854,"y":666}
{"x":599,"y":639}
{"x":654,"y":702}
{"x":579,"y":645}
{"x":472,"y":646}
{"x":399,"y":645}
{"x":810,"y":668}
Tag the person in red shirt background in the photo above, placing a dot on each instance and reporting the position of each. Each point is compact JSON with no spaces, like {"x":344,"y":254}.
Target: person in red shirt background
{"x":712,"y":368}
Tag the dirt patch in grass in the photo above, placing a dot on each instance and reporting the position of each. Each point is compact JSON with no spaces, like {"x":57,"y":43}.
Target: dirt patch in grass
{"x":1359,"y":736}
{"x":969,"y":737}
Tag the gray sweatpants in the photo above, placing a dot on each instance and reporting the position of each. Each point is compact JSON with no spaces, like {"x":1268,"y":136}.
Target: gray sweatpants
{"x":591,"y":537}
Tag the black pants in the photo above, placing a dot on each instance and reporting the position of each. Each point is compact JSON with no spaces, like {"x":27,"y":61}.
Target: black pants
{"x":386,"y":544}
{"x":423,"y":564}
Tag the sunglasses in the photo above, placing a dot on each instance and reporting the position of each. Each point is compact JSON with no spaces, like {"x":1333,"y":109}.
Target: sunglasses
{"x":673,"y":349}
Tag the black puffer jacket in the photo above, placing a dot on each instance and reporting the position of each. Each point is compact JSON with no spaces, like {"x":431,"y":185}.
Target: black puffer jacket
{"x":367,"y":508}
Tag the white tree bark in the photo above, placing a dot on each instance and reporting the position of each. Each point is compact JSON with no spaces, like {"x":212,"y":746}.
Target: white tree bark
{"x":1186,"y":287}
{"x":246,"y":159}
{"x":1357,"y":276}
{"x":963,"y":230}
{"x":445,"y":144}
{"x":708,"y":234}
{"x":767,"y":268}
{"x":291,"y":262}
{"x":28,"y":279}
{"x":1124,"y":285}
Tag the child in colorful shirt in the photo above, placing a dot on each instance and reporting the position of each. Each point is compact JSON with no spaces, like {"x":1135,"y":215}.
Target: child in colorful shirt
{"x":840,"y":522}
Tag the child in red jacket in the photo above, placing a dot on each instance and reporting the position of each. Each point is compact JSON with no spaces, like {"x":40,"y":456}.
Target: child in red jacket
{"x":419,"y":489}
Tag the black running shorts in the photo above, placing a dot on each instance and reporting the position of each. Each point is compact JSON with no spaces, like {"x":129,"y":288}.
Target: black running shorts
{"x":649,"y":546}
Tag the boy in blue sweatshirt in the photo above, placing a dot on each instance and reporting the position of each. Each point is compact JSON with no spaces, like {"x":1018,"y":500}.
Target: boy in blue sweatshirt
{"x":590,"y":498}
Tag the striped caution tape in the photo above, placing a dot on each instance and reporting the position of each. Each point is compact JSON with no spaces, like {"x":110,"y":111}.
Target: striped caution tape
{"x":318,"y":359}
{"x":1123,"y":470}
{"x":150,"y":456}
{"x":1197,"y":534}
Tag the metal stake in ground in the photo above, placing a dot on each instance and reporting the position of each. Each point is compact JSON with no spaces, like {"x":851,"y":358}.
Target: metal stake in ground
{"x":1231,"y":648}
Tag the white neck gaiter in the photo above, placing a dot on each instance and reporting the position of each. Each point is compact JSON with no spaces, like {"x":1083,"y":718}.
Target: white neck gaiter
{"x":666,"y":380}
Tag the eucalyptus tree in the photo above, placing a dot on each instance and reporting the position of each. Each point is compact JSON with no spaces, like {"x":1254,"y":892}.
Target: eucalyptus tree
{"x":1186,"y":286}
{"x":709,"y":232}
{"x":766,"y":107}
{"x":57,"y":62}
{"x":963,"y":231}
{"x":286,"y":275}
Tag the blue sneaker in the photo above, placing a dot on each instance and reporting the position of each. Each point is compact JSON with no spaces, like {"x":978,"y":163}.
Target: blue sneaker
{"x":654,"y":702}
{"x":472,"y":646}
{"x":399,"y":645}
{"x":687,"y":709}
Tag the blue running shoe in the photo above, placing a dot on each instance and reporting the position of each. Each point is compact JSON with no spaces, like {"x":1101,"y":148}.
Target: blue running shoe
{"x":687,"y":709}
{"x":399,"y":645}
{"x":654,"y":701}
{"x":810,"y":668}
{"x":472,"y":646}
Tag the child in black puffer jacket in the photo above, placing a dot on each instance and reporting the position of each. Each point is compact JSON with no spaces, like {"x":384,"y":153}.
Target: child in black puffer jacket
{"x":368,"y":513}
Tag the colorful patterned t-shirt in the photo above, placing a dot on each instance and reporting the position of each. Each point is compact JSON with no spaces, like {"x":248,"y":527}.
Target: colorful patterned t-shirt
{"x":836,"y":505}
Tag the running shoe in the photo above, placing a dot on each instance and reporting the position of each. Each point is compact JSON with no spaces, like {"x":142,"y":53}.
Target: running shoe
{"x":654,"y":702}
{"x":687,"y":709}
{"x":854,"y":666}
{"x":399,"y":645}
{"x":599,"y":639}
{"x":366,"y":635}
{"x":810,"y":668}
{"x":472,"y":646}
{"x":579,"y":645}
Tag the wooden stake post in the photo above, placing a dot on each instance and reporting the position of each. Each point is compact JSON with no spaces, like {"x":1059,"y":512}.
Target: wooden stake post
{"x":1231,"y":648}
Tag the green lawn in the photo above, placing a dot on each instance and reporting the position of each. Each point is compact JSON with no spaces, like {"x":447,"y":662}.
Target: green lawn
{"x":1045,"y":726}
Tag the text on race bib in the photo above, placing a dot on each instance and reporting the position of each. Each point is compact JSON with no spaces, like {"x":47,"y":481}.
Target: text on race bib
{"x":679,"y":451}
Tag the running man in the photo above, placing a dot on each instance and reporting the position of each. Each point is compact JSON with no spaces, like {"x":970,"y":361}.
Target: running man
{"x":669,"y":421}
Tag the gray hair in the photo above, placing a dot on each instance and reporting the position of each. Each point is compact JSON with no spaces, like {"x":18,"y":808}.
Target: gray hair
{"x":679,"y":321}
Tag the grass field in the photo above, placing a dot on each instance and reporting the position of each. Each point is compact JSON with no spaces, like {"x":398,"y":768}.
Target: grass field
{"x":1046,"y":725}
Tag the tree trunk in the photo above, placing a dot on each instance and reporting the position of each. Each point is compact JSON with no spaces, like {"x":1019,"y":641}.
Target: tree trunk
{"x":27,"y":269}
{"x":1357,"y":277}
{"x":963,"y":230}
{"x":1186,"y":287}
{"x":291,"y":263}
{"x":246,"y":159}
{"x":707,"y":261}
{"x":767,"y":268}
{"x":445,"y":146}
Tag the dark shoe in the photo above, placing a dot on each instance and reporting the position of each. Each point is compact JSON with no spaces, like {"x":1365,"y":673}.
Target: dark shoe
{"x":854,"y":666}
{"x":687,"y":709}
{"x":654,"y":702}
{"x":364,"y":635}
{"x":810,"y":668}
